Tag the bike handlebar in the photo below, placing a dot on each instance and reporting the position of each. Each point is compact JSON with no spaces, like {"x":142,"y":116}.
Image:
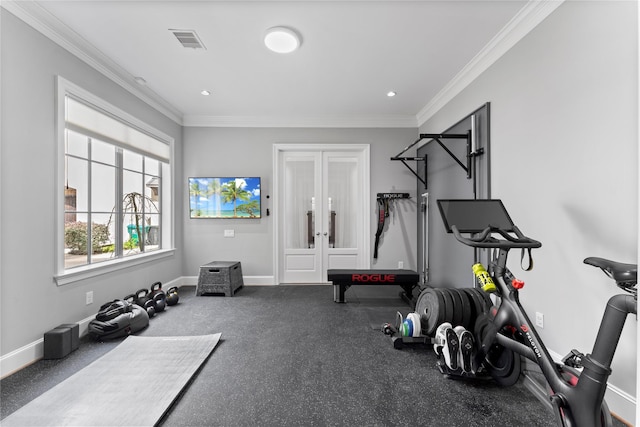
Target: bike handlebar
{"x":485,"y":239}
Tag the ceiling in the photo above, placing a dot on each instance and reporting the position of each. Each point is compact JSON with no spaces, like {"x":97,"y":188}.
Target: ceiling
{"x":352,"y":54}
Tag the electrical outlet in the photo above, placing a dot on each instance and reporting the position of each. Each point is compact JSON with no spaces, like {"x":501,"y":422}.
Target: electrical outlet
{"x":400,"y":264}
{"x":229,"y":233}
{"x":539,"y":319}
{"x":89,"y":297}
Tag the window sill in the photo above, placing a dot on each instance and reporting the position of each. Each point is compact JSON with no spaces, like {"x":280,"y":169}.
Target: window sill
{"x":90,"y":271}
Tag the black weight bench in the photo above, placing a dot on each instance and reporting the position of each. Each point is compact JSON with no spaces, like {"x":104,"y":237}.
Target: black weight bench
{"x":343,"y":279}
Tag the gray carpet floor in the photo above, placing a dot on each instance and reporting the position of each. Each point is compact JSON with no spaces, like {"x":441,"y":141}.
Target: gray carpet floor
{"x":290,"y":356}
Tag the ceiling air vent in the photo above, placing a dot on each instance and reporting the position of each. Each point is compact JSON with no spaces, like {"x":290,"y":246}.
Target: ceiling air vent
{"x":188,"y":38}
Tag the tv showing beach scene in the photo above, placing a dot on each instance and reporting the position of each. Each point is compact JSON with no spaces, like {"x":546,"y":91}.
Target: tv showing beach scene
{"x":224,"y":197}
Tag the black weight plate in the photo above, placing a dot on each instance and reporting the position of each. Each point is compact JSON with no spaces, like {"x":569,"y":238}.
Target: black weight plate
{"x":473,"y":306}
{"x":457,"y":307}
{"x":430,"y":307}
{"x":465,"y":308}
{"x":480,"y":304}
{"x":448,"y":304}
{"x":420,"y":308}
{"x":482,"y":301}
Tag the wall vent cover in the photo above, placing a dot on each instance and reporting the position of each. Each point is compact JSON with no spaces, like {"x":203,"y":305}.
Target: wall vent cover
{"x":188,"y":39}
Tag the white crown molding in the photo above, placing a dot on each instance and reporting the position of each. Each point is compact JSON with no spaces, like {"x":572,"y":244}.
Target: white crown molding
{"x":532,"y":14}
{"x":43,"y":21}
{"x":301,"y":122}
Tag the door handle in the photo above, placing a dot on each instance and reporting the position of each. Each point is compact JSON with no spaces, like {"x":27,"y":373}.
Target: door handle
{"x":318,"y":233}
{"x":325,"y":233}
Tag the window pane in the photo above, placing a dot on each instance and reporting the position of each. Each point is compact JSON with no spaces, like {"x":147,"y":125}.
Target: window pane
{"x":103,"y":152}
{"x":77,"y":144}
{"x":133,"y":233}
{"x":76,"y":194}
{"x":152,"y":230}
{"x":152,"y":189}
{"x":151,"y":166}
{"x":103,"y":191}
{"x":102,"y":247}
{"x":131,"y":160}
{"x":132,"y":183}
{"x":75,"y":244}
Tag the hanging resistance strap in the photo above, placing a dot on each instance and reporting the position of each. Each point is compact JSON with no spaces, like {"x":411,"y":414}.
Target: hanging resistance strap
{"x":530,"y":266}
{"x":383,"y":213}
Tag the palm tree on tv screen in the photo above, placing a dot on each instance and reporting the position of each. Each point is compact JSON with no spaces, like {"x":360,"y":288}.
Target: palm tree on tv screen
{"x":231,"y":192}
{"x":196,"y":193}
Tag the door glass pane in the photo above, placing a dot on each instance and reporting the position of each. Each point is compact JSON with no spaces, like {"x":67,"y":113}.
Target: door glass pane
{"x":300,"y":203}
{"x":343,"y":202}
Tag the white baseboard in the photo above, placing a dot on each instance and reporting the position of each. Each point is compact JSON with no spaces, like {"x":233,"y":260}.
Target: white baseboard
{"x":20,"y":358}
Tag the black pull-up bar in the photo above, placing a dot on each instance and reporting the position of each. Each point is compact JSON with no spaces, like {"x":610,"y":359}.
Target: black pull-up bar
{"x":437,"y":137}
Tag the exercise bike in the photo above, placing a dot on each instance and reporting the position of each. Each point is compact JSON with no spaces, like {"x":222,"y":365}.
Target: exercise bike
{"x":578,"y":384}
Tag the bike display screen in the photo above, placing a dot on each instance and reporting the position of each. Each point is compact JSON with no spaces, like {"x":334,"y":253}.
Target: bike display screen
{"x":473,"y":216}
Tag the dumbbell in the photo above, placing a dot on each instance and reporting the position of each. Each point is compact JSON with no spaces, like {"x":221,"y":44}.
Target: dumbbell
{"x":172,"y":296}
{"x":158,"y":296}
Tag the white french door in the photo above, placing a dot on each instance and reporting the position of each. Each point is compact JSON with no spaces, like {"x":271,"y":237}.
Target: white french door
{"x":323,"y":210}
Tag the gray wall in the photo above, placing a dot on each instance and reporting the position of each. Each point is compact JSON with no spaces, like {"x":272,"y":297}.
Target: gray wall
{"x":31,"y":302}
{"x":564,"y":158}
{"x":248,"y":151}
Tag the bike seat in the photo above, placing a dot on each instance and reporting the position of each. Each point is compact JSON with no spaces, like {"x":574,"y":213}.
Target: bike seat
{"x":621,"y":273}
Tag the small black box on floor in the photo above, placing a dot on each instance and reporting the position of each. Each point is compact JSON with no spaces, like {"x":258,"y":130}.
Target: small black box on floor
{"x":61,"y":340}
{"x":220,"y":277}
{"x":57,"y":343}
{"x":75,"y":334}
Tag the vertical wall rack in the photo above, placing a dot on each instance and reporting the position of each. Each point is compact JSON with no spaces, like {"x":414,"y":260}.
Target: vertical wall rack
{"x":472,"y":151}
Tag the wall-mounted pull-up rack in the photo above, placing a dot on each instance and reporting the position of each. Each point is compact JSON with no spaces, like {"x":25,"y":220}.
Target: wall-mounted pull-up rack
{"x":472,"y":151}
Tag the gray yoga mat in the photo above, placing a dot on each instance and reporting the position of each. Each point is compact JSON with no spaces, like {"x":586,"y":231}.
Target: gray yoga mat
{"x":132,"y":385}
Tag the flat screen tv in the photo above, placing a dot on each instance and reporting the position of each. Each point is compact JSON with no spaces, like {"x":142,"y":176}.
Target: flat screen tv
{"x":224,"y":197}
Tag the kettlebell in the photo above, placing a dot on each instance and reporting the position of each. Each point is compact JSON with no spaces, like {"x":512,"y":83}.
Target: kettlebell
{"x":143,"y":300}
{"x":172,"y":296}
{"x":131,"y":299}
{"x":158,"y":296}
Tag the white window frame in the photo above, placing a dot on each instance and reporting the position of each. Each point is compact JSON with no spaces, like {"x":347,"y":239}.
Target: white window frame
{"x":64,"y":276}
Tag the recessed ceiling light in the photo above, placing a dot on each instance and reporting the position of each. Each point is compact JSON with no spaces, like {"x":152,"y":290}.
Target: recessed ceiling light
{"x":282,"y":39}
{"x":205,"y":93}
{"x":391,"y":94}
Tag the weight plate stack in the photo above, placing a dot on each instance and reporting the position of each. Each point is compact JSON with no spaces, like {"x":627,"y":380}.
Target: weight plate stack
{"x":456,"y":306}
